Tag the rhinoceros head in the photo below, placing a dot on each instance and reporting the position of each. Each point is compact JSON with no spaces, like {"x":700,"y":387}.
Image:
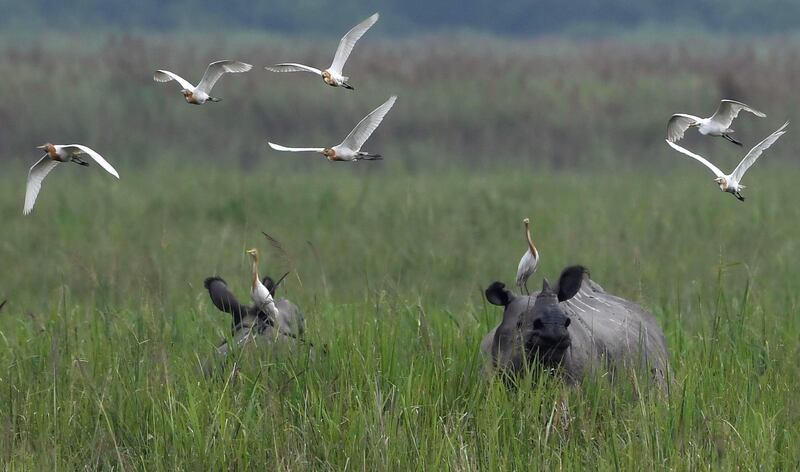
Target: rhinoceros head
{"x":534,"y":327}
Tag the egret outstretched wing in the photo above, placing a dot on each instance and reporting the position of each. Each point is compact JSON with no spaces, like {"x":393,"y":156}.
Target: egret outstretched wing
{"x":728,"y":110}
{"x":215,"y":70}
{"x":278,"y":147}
{"x":293,"y":67}
{"x":367,"y":126}
{"x":349,"y":40}
{"x":36,"y":175}
{"x":755,"y":153}
{"x":678,"y":124}
{"x":81,"y":149}
{"x":166,"y":76}
{"x":702,"y":160}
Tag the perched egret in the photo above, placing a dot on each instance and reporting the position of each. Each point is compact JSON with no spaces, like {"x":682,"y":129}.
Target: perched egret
{"x":259,"y":292}
{"x":54,"y":154}
{"x":225,"y":300}
{"x":200,"y":94}
{"x":333,"y":75}
{"x":731,"y":183}
{"x":718,"y":124}
{"x":529,"y":261}
{"x":350,"y":148}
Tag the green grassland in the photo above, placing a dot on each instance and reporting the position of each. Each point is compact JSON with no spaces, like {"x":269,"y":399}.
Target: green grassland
{"x":107,"y":320}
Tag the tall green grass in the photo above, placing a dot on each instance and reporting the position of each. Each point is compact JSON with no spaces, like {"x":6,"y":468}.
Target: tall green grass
{"x":107,"y":320}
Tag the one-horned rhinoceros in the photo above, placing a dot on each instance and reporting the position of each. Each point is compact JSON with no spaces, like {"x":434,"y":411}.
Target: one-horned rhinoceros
{"x":575,"y":328}
{"x":250,"y":325}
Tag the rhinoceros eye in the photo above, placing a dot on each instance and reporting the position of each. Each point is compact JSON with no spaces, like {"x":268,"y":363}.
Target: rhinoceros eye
{"x":537,"y":324}
{"x":566,"y":323}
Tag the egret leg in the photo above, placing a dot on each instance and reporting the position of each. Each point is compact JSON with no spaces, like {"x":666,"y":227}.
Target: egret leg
{"x":729,"y":138}
{"x":79,"y":161}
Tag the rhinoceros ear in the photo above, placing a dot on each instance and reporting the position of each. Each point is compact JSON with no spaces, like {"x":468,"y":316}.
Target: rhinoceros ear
{"x":497,"y":294}
{"x":271,"y":285}
{"x":569,"y":283}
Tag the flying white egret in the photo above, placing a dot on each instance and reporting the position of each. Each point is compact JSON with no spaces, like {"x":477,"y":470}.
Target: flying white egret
{"x":529,"y":261}
{"x":731,"y":183}
{"x":350,"y":148}
{"x":333,"y":75}
{"x":55,"y":154}
{"x":200,"y":94}
{"x":718,"y":124}
{"x":259,"y":292}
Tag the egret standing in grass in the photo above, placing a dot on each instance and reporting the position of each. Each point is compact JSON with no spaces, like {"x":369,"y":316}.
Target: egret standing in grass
{"x":529,"y":261}
{"x":55,"y":154}
{"x":259,"y":292}
{"x":731,"y":183}
{"x":200,"y":94}
{"x":333,"y":75}
{"x":350,"y":148}
{"x":718,"y":124}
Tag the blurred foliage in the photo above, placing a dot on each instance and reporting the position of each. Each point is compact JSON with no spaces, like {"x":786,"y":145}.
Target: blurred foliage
{"x":462,"y":101}
{"x":508,"y":17}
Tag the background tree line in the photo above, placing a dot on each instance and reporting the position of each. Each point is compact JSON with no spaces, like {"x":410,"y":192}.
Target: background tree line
{"x":506,"y":17}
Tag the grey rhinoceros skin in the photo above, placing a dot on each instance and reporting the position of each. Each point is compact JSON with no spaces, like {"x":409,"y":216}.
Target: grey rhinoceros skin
{"x":288,"y":328}
{"x":605,"y":333}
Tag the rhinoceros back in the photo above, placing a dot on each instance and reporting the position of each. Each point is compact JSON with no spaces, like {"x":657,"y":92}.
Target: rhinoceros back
{"x":609,"y":332}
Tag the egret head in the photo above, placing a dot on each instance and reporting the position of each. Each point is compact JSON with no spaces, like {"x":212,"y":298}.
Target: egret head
{"x":329,"y":153}
{"x":253,"y":253}
{"x":722,"y":182}
{"x":326,"y":76}
{"x":526,"y":222}
{"x":48,"y":148}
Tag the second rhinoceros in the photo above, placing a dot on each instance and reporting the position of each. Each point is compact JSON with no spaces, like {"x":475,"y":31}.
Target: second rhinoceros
{"x":250,"y":326}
